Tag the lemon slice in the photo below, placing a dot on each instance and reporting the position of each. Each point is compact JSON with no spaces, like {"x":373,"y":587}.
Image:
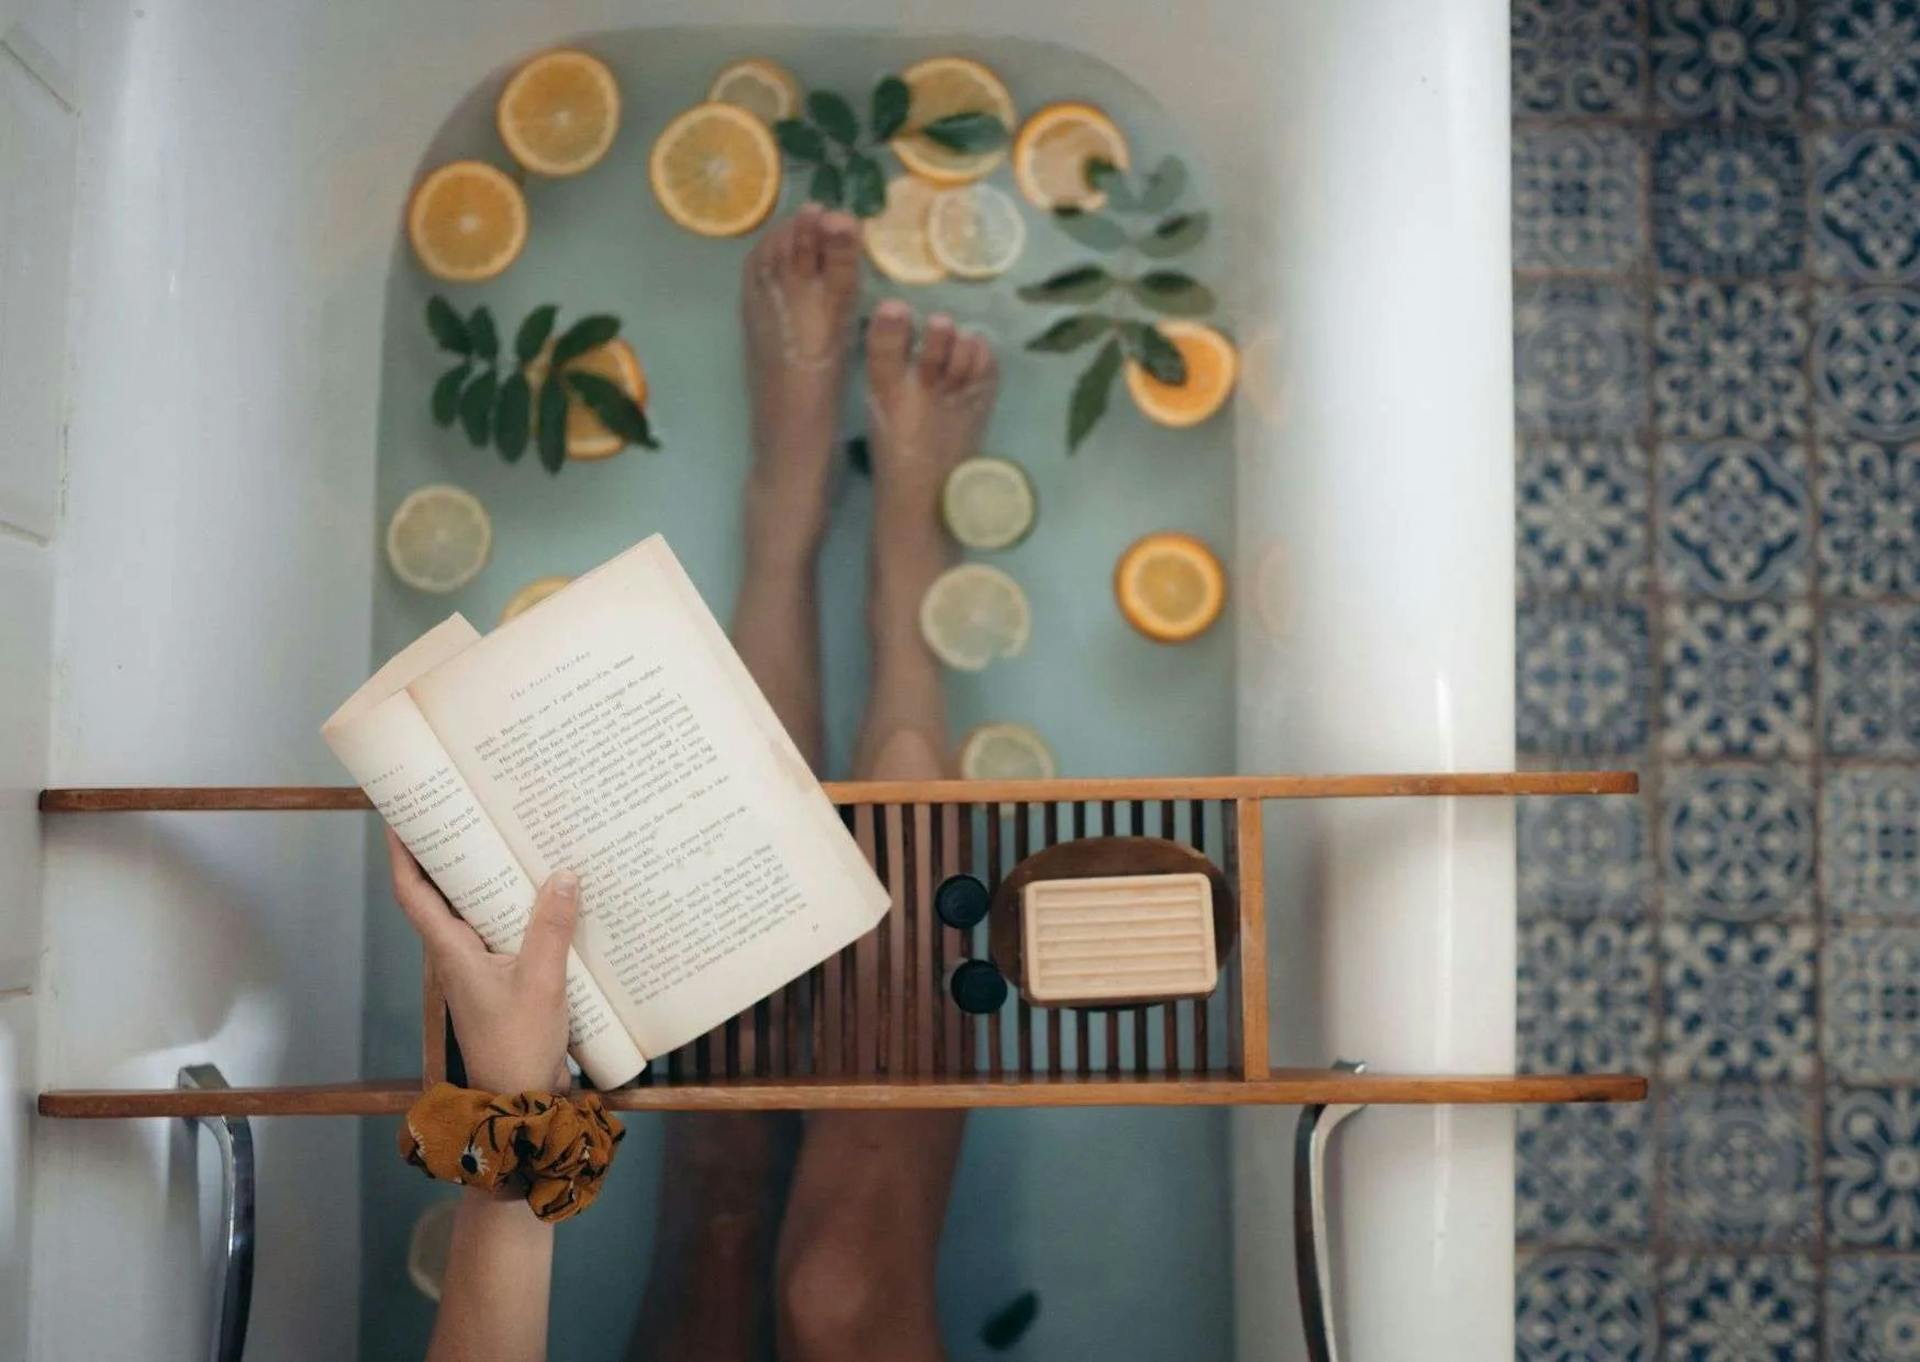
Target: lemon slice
{"x":1005,"y":752}
{"x":531,"y":595}
{"x":897,"y":237}
{"x":936,"y":89}
{"x":1170,"y":586}
{"x":765,"y":89}
{"x":1051,"y":153}
{"x":439,"y":537}
{"x":973,"y":614}
{"x":467,"y":222}
{"x":975,"y":231}
{"x":987,"y":503}
{"x":559,"y":113}
{"x":429,"y":1247}
{"x":716,"y":170}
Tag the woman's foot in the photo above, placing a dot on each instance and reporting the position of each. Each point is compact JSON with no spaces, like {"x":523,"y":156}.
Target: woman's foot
{"x":797,"y":295}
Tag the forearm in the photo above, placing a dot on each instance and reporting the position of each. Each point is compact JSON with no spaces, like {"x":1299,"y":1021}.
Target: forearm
{"x":493,"y":1307}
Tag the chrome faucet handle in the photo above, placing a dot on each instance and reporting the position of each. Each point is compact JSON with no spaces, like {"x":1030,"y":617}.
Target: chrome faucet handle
{"x":1313,"y":1270}
{"x":234,"y":1292}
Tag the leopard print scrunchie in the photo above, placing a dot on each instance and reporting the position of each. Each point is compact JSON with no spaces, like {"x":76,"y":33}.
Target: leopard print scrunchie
{"x":553,"y":1149}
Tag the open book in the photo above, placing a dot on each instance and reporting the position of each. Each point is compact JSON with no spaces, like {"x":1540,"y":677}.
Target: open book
{"x":611,"y":730}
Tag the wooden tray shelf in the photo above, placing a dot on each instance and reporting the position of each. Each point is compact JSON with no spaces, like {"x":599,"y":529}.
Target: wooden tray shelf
{"x":874,"y":1026}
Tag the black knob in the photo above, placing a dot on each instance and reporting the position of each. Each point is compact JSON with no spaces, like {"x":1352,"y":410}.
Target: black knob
{"x":977,"y":986}
{"x":960,"y":901}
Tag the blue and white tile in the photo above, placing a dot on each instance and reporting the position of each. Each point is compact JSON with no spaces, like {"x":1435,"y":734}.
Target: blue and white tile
{"x":1873,"y":1168}
{"x":1580,"y":362}
{"x":1866,"y":196}
{"x":1582,"y":1173}
{"x":1737,"y":680}
{"x":1584,"y":1305}
{"x":1583,"y":856}
{"x":1581,"y":513}
{"x":1870,"y":841}
{"x":1869,"y":519}
{"x":1873,"y":1309}
{"x":1730,"y":359}
{"x":1738,"y":843}
{"x":1746,"y":1308}
{"x":1578,"y":198}
{"x":1735,"y":519}
{"x":1726,"y":58}
{"x":1739,"y":1166}
{"x":1737,"y":1002}
{"x":1728,"y":201}
{"x":1865,"y":61}
{"x":1586,"y":996}
{"x":1577,"y":57}
{"x":1870,"y":680}
{"x":1581,"y":678}
{"x":1871,"y":1023}
{"x":1866,"y":362}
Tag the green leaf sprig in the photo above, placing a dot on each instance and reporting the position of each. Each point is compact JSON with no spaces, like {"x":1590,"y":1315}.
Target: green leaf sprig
{"x":843,"y":164}
{"x":1159,"y":290}
{"x":526,"y":403}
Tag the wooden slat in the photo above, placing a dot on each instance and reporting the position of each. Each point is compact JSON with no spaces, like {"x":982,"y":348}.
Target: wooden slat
{"x":1108,"y":828}
{"x":969,"y":1025}
{"x":884,"y":817}
{"x":914,"y":907}
{"x":1197,"y":837}
{"x":1235,"y":974}
{"x":1022,"y":1009}
{"x":996,"y":1053}
{"x":1289,"y":1087}
{"x":937,"y":870}
{"x":1252,"y":893}
{"x":433,"y":1025}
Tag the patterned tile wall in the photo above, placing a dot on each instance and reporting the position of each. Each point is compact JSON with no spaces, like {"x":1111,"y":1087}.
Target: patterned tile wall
{"x":1716,"y":233}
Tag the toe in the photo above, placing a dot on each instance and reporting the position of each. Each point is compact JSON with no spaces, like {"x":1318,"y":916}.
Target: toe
{"x":840,"y":249}
{"x":769,"y":254}
{"x":936,"y":347}
{"x":889,"y":339}
{"x":970,"y":360}
{"x":806,"y":241}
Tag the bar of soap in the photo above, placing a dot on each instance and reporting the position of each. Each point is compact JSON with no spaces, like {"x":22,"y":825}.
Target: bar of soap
{"x":1118,"y":939}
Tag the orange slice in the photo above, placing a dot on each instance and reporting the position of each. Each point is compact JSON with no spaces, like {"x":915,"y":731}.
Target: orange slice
{"x":587,"y":435}
{"x":938,"y":87}
{"x":716,"y":170}
{"x":1212,"y":366}
{"x":531,"y":595}
{"x":559,"y":113}
{"x":765,"y":89}
{"x":1051,"y":153}
{"x":1170,"y":586}
{"x":467,"y":221}
{"x":896,"y":238}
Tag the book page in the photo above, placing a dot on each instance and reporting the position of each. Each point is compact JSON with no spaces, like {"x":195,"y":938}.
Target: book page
{"x":612,"y":731}
{"x":394,"y":756}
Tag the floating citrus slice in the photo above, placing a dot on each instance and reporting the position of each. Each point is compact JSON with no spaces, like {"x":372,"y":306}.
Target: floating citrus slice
{"x":897,"y":238}
{"x":940,"y":87}
{"x":438,"y":538}
{"x":975,"y":231}
{"x":1212,"y":366}
{"x":987,"y":503}
{"x":973,"y":614}
{"x":587,"y":435}
{"x":716,"y":170}
{"x":531,"y":595}
{"x":559,"y":112}
{"x":1051,"y":153}
{"x":467,"y":222}
{"x":765,"y":89}
{"x":1170,"y":586}
{"x":1005,"y":752}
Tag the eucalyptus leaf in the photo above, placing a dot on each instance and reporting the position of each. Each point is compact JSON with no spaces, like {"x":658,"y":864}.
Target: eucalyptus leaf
{"x":1157,"y":355}
{"x":888,"y":114}
{"x":583,"y":336}
{"x":1090,"y":229}
{"x":1089,"y":401}
{"x":512,"y":417}
{"x":1105,"y":176}
{"x":1174,"y":293}
{"x":860,"y":455}
{"x":826,"y":186}
{"x":866,"y":186}
{"x":552,"y":425}
{"x":446,"y":393}
{"x":1163,"y":185}
{"x":617,"y":412}
{"x":1081,"y":284}
{"x":476,"y":407}
{"x":449,"y":332}
{"x":533,"y":332}
{"x":800,"y":139}
{"x":967,"y":132}
{"x":486,"y":341}
{"x":1005,"y":1326}
{"x":834,"y":116}
{"x":1070,"y":333}
{"x":1171,"y":236}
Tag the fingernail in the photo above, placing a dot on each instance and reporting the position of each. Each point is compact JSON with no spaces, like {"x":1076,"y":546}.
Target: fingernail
{"x":566,"y":884}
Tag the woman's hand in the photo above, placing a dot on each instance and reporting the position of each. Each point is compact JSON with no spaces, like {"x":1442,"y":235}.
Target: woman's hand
{"x":509,"y":1011}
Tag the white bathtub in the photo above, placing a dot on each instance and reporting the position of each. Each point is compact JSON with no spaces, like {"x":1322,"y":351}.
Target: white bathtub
{"x":241,"y":163}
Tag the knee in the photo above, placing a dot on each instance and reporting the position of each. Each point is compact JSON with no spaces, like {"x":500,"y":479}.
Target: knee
{"x":830,"y":1299}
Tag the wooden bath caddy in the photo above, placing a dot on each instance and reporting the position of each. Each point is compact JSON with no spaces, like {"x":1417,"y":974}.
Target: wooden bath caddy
{"x":873,"y":1027}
